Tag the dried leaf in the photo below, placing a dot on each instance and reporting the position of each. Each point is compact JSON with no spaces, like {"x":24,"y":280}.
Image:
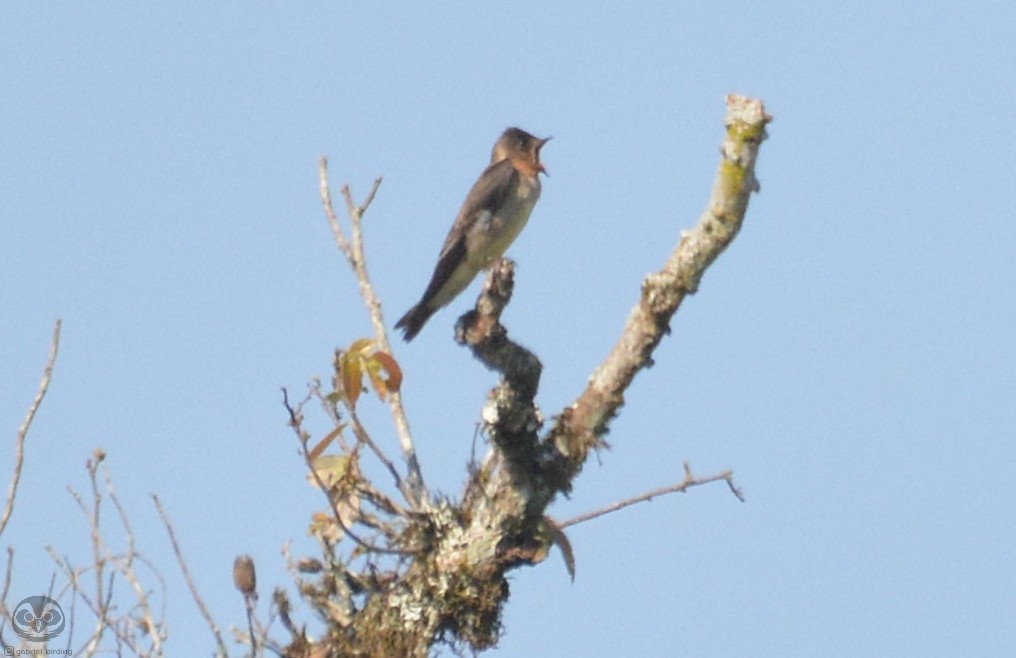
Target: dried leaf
{"x":323,"y":525}
{"x":559,"y":539}
{"x":348,"y":506}
{"x":323,"y":444}
{"x":390,"y":366}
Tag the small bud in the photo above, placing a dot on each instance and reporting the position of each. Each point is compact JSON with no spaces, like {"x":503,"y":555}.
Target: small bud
{"x":244,"y":577}
{"x":309,"y":565}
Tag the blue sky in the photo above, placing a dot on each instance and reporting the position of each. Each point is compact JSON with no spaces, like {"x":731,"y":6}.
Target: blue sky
{"x":851,"y":357}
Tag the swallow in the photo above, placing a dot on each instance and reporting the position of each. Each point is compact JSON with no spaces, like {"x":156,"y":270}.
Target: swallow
{"x":494,"y":213}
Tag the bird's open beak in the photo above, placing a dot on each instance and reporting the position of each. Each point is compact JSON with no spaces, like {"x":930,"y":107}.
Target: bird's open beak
{"x":540,"y":167}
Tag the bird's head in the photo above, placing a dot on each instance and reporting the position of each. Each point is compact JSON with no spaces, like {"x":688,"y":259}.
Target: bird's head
{"x":522,"y":149}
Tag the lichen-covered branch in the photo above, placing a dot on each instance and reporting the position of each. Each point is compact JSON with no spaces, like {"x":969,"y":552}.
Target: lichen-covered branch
{"x":507,"y":498}
{"x":582,"y":424}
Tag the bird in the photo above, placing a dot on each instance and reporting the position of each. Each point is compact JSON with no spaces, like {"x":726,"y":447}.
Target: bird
{"x":494,"y":213}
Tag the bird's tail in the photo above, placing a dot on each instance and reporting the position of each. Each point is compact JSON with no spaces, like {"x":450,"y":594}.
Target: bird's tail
{"x":413,"y":321}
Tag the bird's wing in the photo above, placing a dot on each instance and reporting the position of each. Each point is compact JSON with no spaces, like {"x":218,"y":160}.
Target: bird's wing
{"x":488,"y":193}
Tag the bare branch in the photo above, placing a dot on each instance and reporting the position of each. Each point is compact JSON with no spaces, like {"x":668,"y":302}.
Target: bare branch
{"x":681,"y":487}
{"x":19,"y":443}
{"x":582,"y":424}
{"x":482,"y":331}
{"x":354,"y":253}
{"x":511,"y":417}
{"x":191,"y":585}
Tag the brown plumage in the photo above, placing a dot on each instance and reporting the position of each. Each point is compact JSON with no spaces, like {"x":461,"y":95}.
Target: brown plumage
{"x":494,"y":213}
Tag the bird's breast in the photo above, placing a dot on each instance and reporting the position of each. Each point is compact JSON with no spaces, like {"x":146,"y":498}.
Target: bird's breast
{"x":498,"y":227}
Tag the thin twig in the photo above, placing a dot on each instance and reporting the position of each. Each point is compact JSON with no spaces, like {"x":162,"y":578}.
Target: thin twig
{"x":190,"y":581}
{"x":101,"y":555}
{"x":249,"y":602}
{"x":71,"y":618}
{"x":132,"y":626}
{"x":19,"y":444}
{"x":361,"y":435}
{"x":330,"y":408}
{"x":74,"y":585}
{"x":354,"y":254}
{"x":338,"y":515}
{"x":98,"y":543}
{"x":294,"y":421}
{"x":7,"y":582}
{"x":154,"y":628}
{"x":120,"y":635}
{"x":681,"y":487}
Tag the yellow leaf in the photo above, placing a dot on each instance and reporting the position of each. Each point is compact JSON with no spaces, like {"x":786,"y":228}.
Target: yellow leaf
{"x":362,"y":346}
{"x":373,"y":368}
{"x":363,"y":358}
{"x":352,"y":375}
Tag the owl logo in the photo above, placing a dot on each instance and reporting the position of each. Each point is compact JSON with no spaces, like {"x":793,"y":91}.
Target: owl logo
{"x":38,"y":618}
